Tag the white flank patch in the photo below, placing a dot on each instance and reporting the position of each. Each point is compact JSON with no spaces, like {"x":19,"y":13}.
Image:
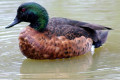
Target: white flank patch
{"x":92,"y":49}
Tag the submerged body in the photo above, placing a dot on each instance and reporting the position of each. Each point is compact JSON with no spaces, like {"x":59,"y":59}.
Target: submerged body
{"x":56,"y":37}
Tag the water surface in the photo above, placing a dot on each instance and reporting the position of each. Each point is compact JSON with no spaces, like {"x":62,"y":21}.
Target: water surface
{"x":103,"y":65}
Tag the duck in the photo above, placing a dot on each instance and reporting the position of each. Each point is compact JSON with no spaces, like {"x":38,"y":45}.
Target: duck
{"x":57,"y":37}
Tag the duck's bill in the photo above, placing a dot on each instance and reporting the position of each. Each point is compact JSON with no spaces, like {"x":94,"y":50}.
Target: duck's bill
{"x":16,"y":21}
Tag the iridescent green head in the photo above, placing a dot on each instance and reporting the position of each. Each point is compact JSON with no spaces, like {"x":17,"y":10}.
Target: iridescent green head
{"x":33,"y":13}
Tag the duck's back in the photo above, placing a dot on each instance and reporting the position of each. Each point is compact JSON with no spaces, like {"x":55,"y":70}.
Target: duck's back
{"x":72,"y":29}
{"x":61,"y":27}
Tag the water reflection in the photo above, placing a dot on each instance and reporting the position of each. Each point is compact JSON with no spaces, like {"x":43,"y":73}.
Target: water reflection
{"x":61,"y":68}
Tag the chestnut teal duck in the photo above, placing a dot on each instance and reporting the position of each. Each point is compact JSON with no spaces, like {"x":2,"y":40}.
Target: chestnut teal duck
{"x":53,"y":38}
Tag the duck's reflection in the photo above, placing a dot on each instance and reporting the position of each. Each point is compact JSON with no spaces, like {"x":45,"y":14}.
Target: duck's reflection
{"x":59,"y":68}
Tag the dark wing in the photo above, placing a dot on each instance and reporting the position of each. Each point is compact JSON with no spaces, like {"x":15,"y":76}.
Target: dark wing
{"x":88,"y":25}
{"x":98,"y":33}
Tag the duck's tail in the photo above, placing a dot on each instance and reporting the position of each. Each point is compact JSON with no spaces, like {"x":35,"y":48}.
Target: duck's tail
{"x":102,"y":37}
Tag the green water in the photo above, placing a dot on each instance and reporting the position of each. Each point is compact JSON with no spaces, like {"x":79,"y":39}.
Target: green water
{"x":103,"y":65}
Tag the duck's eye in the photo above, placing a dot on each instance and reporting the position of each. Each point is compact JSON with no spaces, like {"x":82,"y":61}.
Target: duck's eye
{"x":23,"y":10}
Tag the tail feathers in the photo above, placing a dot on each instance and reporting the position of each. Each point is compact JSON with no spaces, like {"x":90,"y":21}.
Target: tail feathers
{"x":108,"y":28}
{"x":97,"y":44}
{"x":102,"y":37}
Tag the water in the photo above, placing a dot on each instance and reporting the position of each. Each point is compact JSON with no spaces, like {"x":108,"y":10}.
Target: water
{"x":103,"y":65}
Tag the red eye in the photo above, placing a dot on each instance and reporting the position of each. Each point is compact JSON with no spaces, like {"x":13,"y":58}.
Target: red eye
{"x":23,"y":9}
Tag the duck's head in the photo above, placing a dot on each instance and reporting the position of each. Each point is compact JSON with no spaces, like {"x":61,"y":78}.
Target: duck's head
{"x":33,"y":13}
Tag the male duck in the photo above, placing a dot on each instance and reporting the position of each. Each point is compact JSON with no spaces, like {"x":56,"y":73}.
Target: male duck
{"x":55,"y":38}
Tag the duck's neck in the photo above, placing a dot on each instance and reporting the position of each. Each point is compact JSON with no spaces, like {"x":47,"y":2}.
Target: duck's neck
{"x":40,"y":24}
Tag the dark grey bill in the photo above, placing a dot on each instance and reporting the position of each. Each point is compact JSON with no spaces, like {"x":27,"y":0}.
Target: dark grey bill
{"x":16,"y":21}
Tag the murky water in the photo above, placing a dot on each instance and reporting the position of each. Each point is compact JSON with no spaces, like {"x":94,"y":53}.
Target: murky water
{"x":103,"y":65}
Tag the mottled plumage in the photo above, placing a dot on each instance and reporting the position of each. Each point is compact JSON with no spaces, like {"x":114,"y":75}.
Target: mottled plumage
{"x":57,"y":37}
{"x":37,"y":45}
